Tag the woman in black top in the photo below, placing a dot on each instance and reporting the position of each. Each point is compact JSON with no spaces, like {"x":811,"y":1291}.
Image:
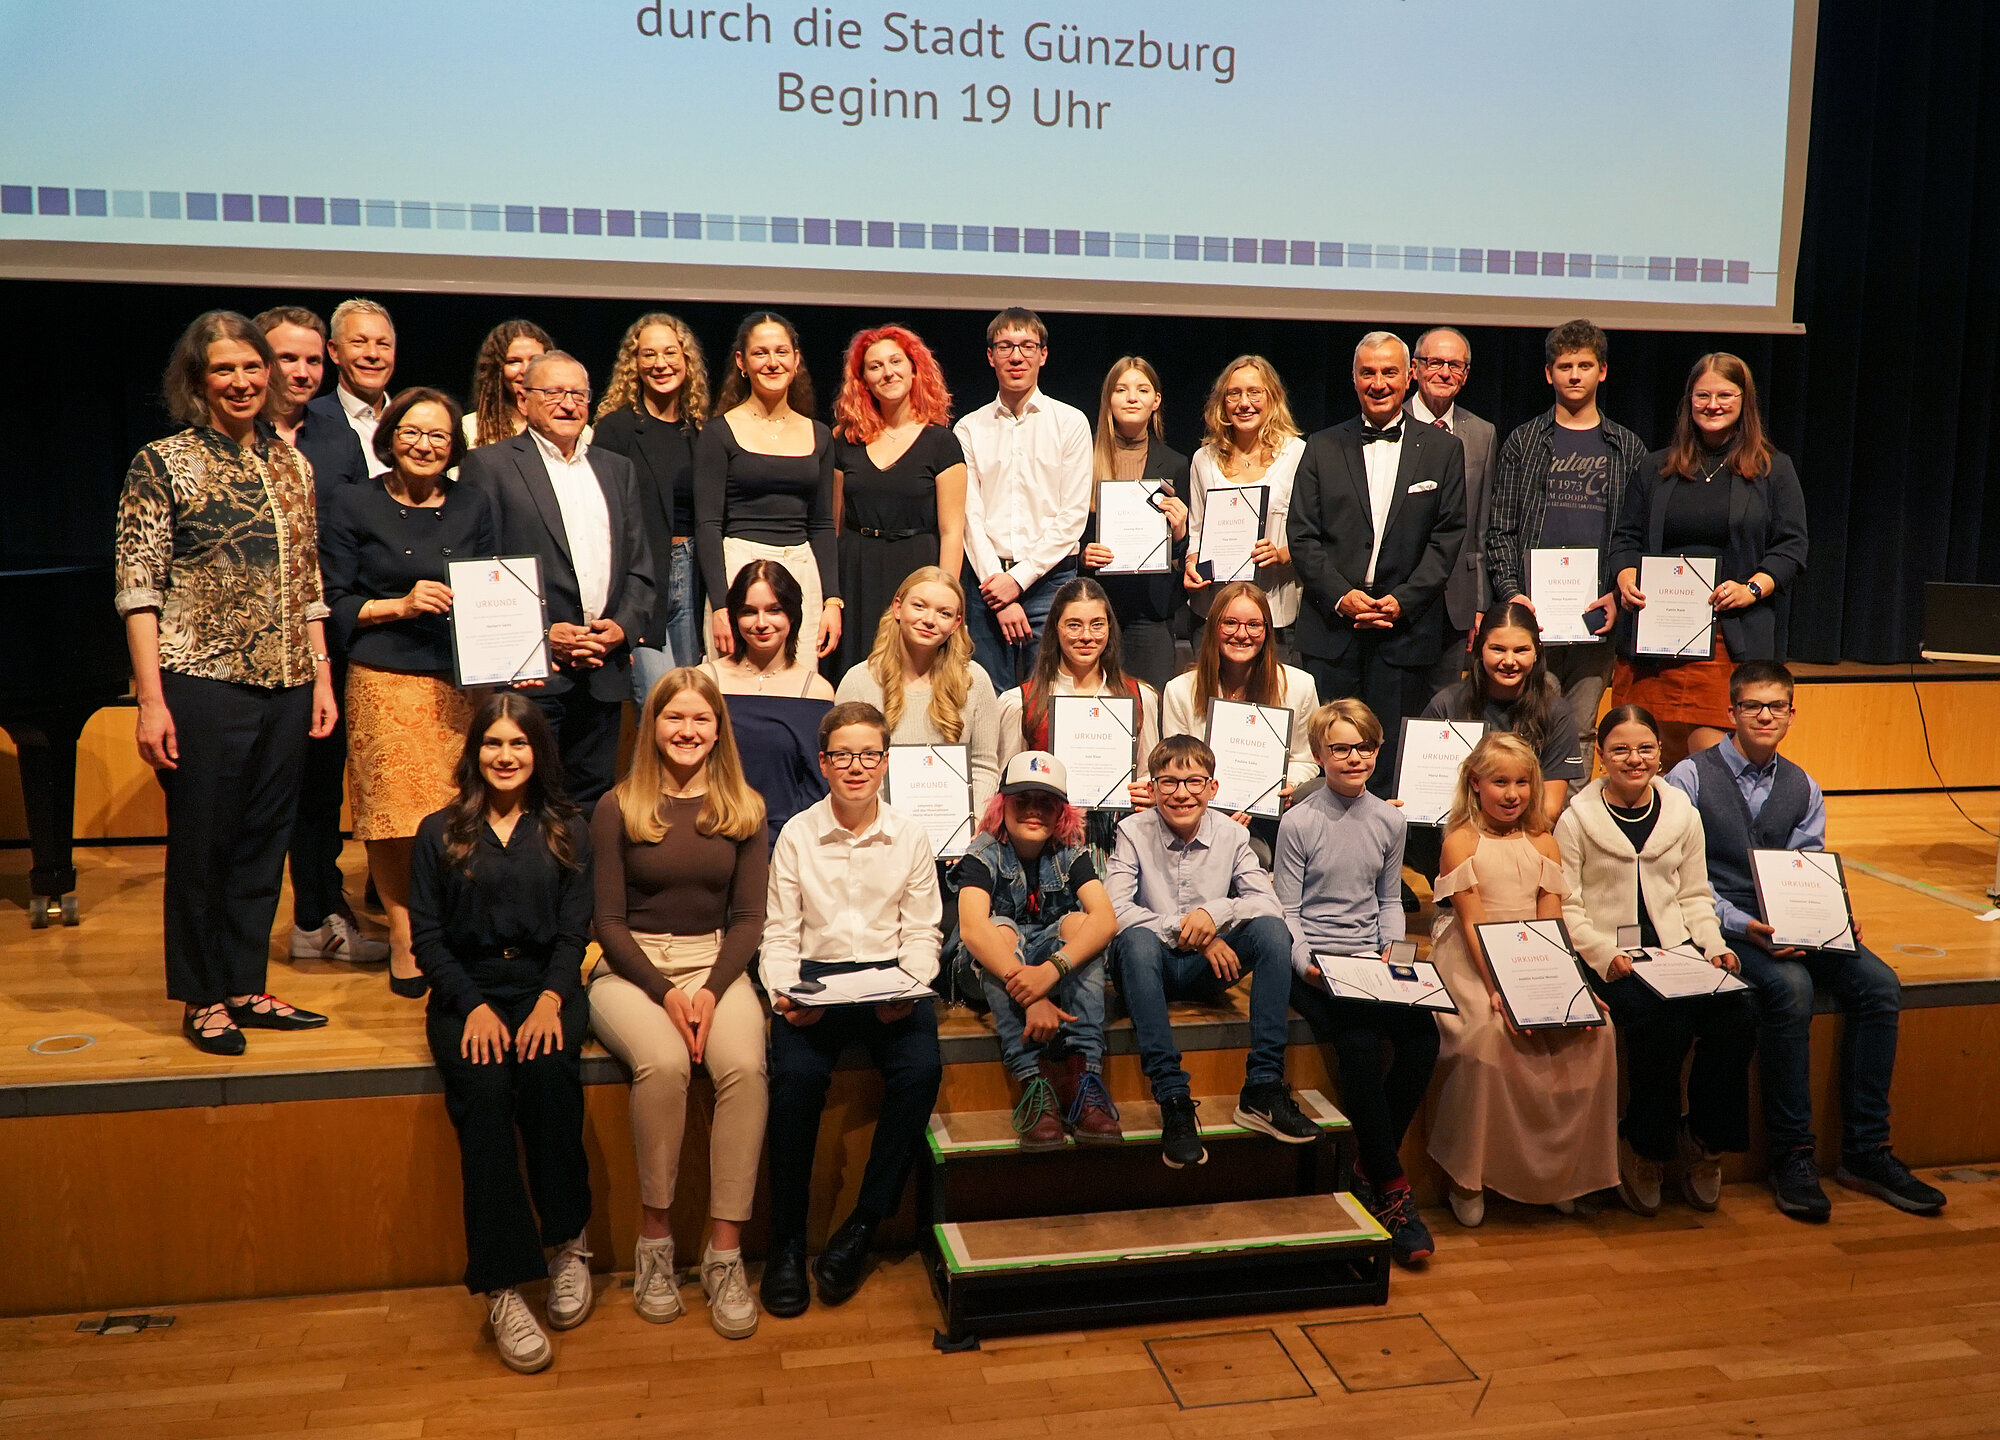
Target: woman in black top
{"x":651,"y":412}
{"x":383,"y":548}
{"x":1719,"y":491}
{"x":500,"y":908}
{"x":763,"y":482}
{"x":898,"y":477}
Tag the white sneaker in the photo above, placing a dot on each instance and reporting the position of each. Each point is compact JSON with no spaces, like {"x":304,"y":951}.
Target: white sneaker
{"x":1469,"y":1210}
{"x":523,"y":1346}
{"x":1701,"y":1174}
{"x":338,"y":939}
{"x":731,"y":1310}
{"x":569,"y":1285}
{"x":655,"y":1295}
{"x":1638,"y":1180}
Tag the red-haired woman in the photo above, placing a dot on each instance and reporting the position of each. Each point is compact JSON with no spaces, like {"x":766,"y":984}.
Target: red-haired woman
{"x":898,"y":476}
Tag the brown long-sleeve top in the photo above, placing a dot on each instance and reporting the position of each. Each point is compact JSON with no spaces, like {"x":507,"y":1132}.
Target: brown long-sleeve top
{"x":687,"y":883}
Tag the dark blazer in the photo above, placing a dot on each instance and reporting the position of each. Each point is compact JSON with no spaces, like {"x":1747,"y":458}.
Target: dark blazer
{"x":1150,"y":597}
{"x":1332,"y":528}
{"x":531,"y":524}
{"x":1767,"y":531}
{"x":371,"y":547}
{"x":329,"y":442}
{"x":662,"y":457}
{"x":1467,"y":594}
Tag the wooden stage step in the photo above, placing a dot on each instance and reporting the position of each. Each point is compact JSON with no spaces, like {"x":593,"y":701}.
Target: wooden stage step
{"x":986,"y":1132}
{"x":1117,"y":1266}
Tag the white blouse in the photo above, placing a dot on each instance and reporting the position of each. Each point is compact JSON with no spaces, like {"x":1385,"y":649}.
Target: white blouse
{"x":1280,"y":582}
{"x":1177,"y":717}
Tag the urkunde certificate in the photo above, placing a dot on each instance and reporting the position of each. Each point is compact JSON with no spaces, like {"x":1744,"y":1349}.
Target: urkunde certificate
{"x":1541,"y":981}
{"x":872,"y":985}
{"x":1678,"y":619}
{"x":1803,"y":894}
{"x":499,"y":629}
{"x":1369,"y":977}
{"x":1232,"y":522}
{"x":1253,"y":747}
{"x":1563,"y":584}
{"x":1427,"y":764}
{"x":1681,"y":973}
{"x":932,"y":784}
{"x":1131,"y":525}
{"x":1097,"y":739}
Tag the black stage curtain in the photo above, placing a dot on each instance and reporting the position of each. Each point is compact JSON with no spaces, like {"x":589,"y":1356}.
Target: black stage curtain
{"x":1887,"y":403}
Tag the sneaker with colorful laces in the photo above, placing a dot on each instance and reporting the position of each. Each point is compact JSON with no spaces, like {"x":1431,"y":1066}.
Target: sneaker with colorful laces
{"x":1092,"y":1118}
{"x":1395,"y":1210}
{"x":1038,"y":1118}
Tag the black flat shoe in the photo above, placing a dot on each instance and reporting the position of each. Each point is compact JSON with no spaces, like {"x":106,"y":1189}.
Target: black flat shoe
{"x":841,"y":1267}
{"x":268,"y":1012}
{"x":410,"y":987}
{"x":785,"y":1290}
{"x":228,"y":1041}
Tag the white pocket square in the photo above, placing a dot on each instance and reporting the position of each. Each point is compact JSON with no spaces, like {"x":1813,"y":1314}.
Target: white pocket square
{"x":1421,"y":486}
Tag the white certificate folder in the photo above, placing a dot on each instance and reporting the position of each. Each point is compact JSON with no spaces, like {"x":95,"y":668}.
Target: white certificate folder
{"x":932,"y":784}
{"x":1803,"y":894}
{"x":1253,"y":751}
{"x":1542,"y":983}
{"x":499,"y":623}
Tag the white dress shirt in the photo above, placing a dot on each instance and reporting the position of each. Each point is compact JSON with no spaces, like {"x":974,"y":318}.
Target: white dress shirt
{"x":1382,"y":458}
{"x":1027,"y":490}
{"x":1447,"y":422}
{"x":1280,"y":582}
{"x":1178,"y":717}
{"x":586,"y":520}
{"x":364,"y":418}
{"x":844,"y":899}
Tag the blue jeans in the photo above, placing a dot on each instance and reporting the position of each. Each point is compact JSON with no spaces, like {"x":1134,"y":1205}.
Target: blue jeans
{"x":1872,"y":997}
{"x":1081,"y":993}
{"x":681,"y":645}
{"x":1003,"y":661}
{"x":1150,"y":974}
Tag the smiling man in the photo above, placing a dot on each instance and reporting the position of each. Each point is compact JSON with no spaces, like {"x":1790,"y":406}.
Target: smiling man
{"x":362,"y":345}
{"x":1443,"y":362}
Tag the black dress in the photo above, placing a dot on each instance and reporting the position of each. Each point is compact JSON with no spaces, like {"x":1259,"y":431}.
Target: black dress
{"x":888,"y":528}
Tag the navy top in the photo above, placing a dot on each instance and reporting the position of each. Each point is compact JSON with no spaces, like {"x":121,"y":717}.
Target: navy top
{"x":771,"y":499}
{"x":374,"y":547}
{"x":777,"y":737}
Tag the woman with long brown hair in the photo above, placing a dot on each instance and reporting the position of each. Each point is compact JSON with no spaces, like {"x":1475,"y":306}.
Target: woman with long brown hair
{"x":500,"y":910}
{"x":681,"y":869}
{"x":1719,"y":491}
{"x":496,"y":412}
{"x":1250,"y":439}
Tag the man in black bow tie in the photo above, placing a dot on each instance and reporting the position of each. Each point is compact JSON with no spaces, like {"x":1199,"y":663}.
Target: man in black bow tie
{"x":1377,"y":519}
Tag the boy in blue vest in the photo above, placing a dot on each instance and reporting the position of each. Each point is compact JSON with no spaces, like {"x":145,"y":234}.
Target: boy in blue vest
{"x":1750,"y":797}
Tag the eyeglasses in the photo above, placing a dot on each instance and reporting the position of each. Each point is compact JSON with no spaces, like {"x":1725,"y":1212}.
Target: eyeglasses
{"x":559,"y":397}
{"x":1706,"y":398}
{"x":1255,"y":394}
{"x":1179,"y":784}
{"x":1014,"y":347}
{"x":1777,"y":709}
{"x":1451,"y":367}
{"x":1078,"y":629}
{"x":1339,"y":752}
{"x":653,"y":357}
{"x":1252,"y":628}
{"x":1619,"y":754}
{"x":848,"y":759}
{"x":410,"y":435}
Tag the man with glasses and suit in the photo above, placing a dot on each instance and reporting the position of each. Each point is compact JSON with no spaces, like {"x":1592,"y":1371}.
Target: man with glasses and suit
{"x":1443,"y":363}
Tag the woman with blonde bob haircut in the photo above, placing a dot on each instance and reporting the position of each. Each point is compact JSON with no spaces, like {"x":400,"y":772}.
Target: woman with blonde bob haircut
{"x":1533,"y":1115}
{"x":922,"y":677}
{"x":680,"y":881}
{"x":1250,"y":438}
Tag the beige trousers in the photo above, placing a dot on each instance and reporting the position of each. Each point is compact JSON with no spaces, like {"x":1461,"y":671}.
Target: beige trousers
{"x":638,"y":1032}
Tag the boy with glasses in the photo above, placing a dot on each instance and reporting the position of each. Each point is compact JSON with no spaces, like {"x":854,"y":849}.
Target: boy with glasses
{"x":1751,"y":797}
{"x":1196,"y":913}
{"x":1338,"y":871}
{"x":853,"y":887}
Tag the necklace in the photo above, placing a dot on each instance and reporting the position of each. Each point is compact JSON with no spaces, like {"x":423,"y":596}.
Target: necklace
{"x":1720,"y":466}
{"x":763,"y":675}
{"x":1652,"y":799}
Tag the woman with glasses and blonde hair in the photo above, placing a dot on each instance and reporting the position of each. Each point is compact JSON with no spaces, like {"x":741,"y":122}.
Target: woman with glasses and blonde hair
{"x":680,"y":883}
{"x":497,"y":399}
{"x":1250,"y":439}
{"x":1131,"y":445}
{"x":651,"y":412}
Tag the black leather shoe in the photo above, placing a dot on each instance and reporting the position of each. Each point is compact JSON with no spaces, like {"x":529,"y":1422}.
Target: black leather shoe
{"x":844,"y":1263}
{"x":785,"y":1291}
{"x":268,"y":1012}
{"x":217,"y":1042}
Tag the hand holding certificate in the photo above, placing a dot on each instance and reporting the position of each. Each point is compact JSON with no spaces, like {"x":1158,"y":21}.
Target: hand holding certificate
{"x":1253,"y":747}
{"x":1427,"y":764}
{"x":1400,"y":980}
{"x":1803,"y":894}
{"x":1097,"y":739}
{"x":1542,"y":983}
{"x":1232,"y":522}
{"x":1678,"y":618}
{"x":1562,"y":583}
{"x":1682,"y":973}
{"x":499,"y":629}
{"x":1133,"y":527}
{"x":876,"y":985}
{"x":932,"y":785}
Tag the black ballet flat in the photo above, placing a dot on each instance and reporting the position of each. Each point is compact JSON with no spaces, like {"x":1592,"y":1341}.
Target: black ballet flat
{"x":222,"y":1042}
{"x":279,"y":1016}
{"x":411,"y":987}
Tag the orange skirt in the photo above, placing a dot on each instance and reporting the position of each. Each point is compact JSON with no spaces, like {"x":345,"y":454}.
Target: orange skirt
{"x":1687,"y":692}
{"x":404,"y":735}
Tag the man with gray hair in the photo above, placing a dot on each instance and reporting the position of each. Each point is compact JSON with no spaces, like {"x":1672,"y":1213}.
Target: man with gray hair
{"x":361,"y":342}
{"x":1377,"y":520}
{"x":1443,"y":363}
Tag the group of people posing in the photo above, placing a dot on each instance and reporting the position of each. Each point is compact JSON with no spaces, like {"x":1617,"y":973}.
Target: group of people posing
{"x":282,"y":573}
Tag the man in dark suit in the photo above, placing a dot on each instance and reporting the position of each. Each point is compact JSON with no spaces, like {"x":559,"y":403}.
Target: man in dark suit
{"x":1443,"y":364}
{"x":575,"y":508}
{"x":361,"y":343}
{"x":1378,"y":516}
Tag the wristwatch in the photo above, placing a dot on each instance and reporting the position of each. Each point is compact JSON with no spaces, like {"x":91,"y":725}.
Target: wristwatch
{"x":1751,"y":586}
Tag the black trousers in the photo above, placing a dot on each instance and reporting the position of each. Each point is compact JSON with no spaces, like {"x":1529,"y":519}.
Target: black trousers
{"x":230,"y":804}
{"x":1722,"y":1032}
{"x":315,"y":843}
{"x":1391,"y":691}
{"x":1379,"y":1092}
{"x":802,"y":1061}
{"x":587,"y":739}
{"x":543,"y":1097}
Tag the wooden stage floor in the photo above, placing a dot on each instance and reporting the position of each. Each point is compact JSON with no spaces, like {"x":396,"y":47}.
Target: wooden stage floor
{"x":1919,"y":876}
{"x":1877,"y":1324}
